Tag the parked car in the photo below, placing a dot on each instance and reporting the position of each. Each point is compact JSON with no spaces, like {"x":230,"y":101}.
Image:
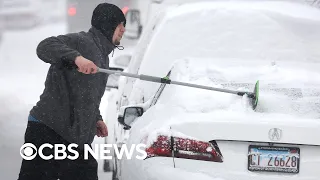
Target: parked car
{"x":21,"y":14}
{"x":199,"y":134}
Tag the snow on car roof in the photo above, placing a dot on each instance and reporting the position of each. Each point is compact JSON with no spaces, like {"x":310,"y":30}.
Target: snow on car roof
{"x":223,"y":33}
{"x":289,"y":8}
{"x":234,"y":33}
{"x":186,"y":105}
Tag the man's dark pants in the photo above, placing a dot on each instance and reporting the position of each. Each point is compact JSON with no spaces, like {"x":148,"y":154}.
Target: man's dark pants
{"x":39,"y":169}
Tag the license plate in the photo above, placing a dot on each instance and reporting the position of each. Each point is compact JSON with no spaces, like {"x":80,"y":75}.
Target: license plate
{"x":274,"y":159}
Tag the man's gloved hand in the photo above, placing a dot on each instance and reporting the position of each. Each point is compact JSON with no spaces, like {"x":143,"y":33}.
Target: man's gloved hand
{"x":86,"y":66}
{"x":102,"y":130}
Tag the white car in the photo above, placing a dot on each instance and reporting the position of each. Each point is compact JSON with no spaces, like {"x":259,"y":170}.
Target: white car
{"x":193,"y":133}
{"x":21,"y":13}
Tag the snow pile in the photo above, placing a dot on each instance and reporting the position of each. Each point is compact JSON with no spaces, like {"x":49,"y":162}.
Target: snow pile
{"x":283,"y":89}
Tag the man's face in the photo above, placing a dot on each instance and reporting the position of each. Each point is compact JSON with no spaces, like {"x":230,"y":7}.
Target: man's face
{"x":118,"y":33}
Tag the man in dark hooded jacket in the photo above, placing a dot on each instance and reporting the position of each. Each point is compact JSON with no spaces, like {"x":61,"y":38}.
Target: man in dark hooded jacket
{"x":68,"y":110}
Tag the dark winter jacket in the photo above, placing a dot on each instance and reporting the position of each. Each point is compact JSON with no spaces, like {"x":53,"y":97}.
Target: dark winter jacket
{"x":70,"y":101}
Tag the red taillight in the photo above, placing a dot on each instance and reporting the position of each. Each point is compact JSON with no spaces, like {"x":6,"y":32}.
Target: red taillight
{"x":184,"y":148}
{"x":125,"y":9}
{"x":72,"y":11}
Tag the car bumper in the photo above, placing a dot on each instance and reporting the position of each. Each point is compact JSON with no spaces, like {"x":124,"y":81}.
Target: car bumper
{"x":163,"y":169}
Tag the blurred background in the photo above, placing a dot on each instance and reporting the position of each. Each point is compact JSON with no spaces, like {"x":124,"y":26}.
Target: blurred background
{"x":23,"y":24}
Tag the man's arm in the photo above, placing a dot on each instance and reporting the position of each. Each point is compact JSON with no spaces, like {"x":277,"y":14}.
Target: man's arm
{"x":55,"y":49}
{"x":63,"y":49}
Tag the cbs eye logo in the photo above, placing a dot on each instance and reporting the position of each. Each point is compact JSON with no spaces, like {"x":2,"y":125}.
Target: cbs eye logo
{"x":28,"y":151}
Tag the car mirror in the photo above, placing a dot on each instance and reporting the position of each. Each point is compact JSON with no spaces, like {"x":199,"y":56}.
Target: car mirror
{"x":122,"y":60}
{"x":113,"y":80}
{"x":128,"y":115}
{"x":133,"y":24}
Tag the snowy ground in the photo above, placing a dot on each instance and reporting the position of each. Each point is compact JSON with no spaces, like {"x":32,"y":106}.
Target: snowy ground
{"x":22,"y":77}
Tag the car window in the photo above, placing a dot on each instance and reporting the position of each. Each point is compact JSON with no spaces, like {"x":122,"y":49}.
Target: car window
{"x":139,"y":53}
{"x":143,"y":44}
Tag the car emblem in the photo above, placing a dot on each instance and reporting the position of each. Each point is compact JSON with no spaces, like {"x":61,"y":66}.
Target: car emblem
{"x":275,"y":134}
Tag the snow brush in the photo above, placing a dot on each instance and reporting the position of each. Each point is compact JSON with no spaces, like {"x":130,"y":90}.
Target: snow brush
{"x":253,"y":95}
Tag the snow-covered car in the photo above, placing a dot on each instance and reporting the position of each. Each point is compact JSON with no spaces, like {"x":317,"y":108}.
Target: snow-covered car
{"x":193,"y":133}
{"x":19,"y":14}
